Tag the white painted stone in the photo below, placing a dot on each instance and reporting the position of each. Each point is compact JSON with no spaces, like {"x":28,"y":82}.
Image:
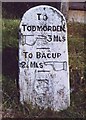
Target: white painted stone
{"x":43,"y":59}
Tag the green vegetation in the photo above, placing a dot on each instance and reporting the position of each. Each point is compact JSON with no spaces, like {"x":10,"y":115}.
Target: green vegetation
{"x":10,"y":33}
{"x":11,"y":105}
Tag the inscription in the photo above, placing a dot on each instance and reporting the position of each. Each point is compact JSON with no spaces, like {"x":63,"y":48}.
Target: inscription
{"x":43,"y":58}
{"x":42,"y":38}
{"x":43,"y":28}
{"x":42,"y":17}
{"x":40,"y":55}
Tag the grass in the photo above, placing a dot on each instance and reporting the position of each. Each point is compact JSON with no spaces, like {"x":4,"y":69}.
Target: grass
{"x":76,"y":52}
{"x":10,"y":33}
{"x":76,"y":39}
{"x":0,"y":35}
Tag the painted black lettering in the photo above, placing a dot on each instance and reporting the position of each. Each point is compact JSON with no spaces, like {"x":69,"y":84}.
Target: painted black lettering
{"x":33,"y":28}
{"x":29,"y":28}
{"x":38,"y":54}
{"x":54,"y":28}
{"x":22,"y":64}
{"x":53,"y":55}
{"x":25,"y":54}
{"x":39,"y":28}
{"x":38,"y":14}
{"x":60,"y":40}
{"x":45,"y":17}
{"x":58,"y":55}
{"x":49,"y":28}
{"x":33,"y":65}
{"x":45,"y":28}
{"x":41,"y":65}
{"x":24,"y":27}
{"x":62,"y":28}
{"x":48,"y":55}
{"x":55,"y":38}
{"x":49,"y":38}
{"x":43,"y":55}
{"x":64,"y":39}
{"x":30,"y":55}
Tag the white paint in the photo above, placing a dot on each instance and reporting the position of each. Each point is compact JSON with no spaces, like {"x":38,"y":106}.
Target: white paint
{"x":46,"y":83}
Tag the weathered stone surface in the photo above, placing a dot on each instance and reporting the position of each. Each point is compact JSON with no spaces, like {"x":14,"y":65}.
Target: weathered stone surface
{"x":43,"y":58}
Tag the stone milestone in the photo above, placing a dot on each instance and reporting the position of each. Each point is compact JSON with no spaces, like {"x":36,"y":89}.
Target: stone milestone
{"x":43,"y":59}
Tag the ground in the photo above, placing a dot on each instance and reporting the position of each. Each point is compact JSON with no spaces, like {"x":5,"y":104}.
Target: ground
{"x":12,"y":108}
